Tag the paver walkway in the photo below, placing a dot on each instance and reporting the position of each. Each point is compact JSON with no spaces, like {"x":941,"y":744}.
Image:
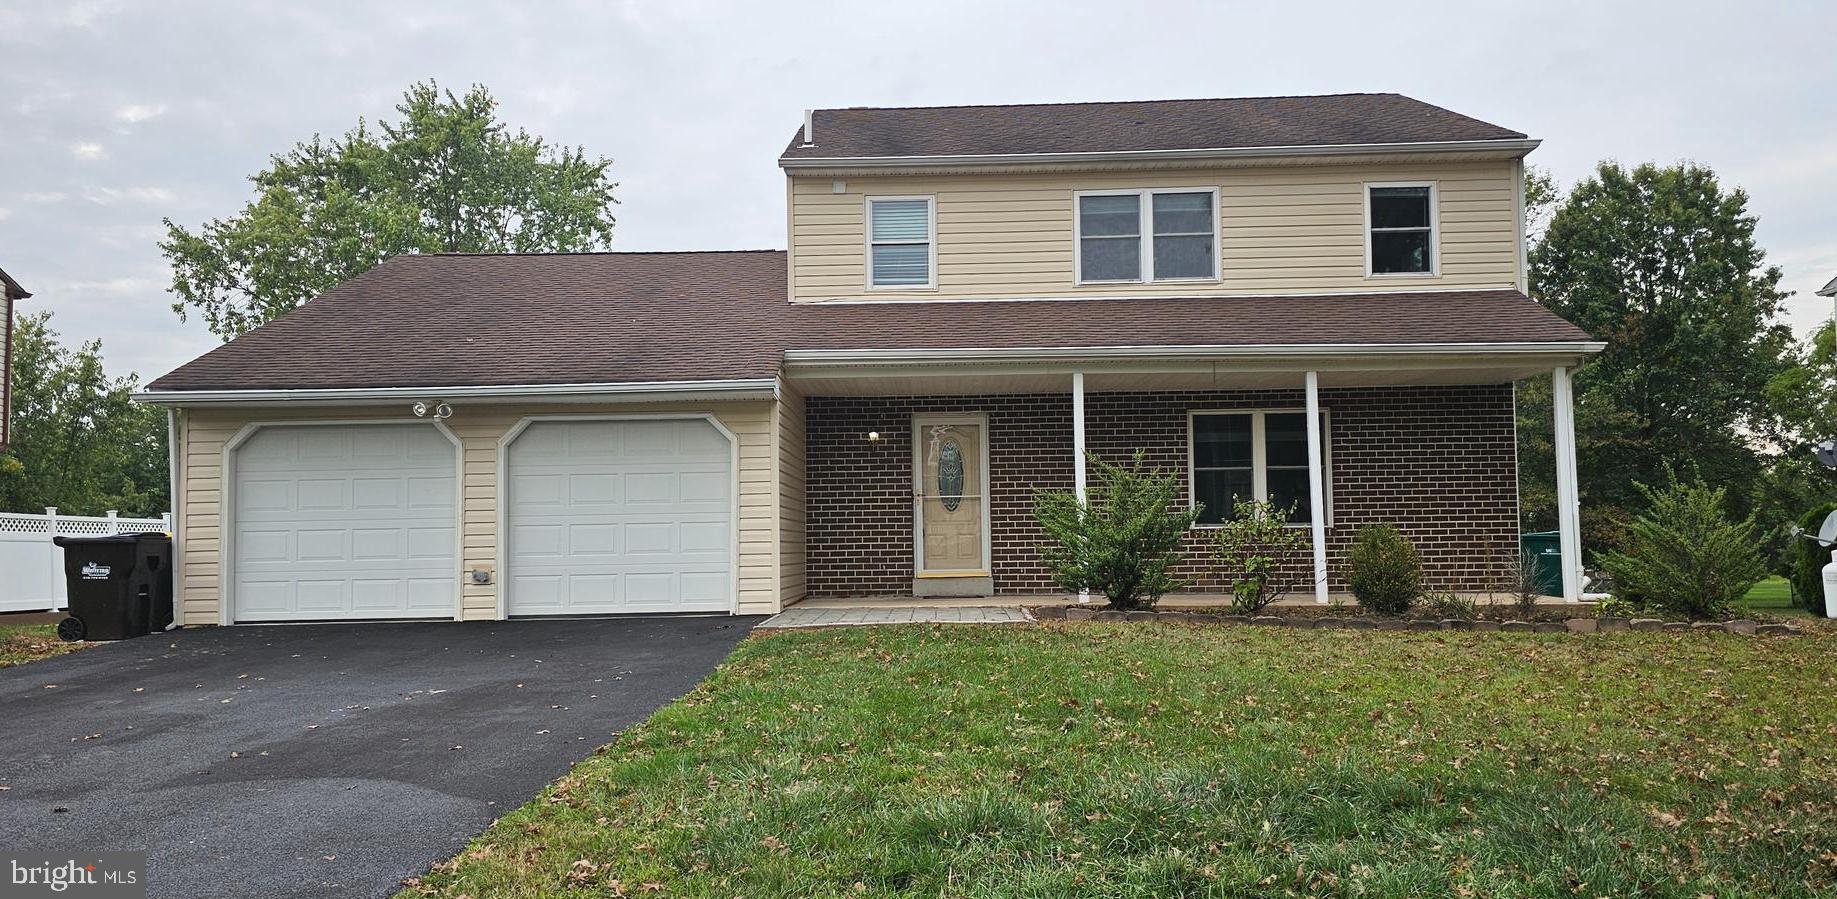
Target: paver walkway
{"x":850,"y":617}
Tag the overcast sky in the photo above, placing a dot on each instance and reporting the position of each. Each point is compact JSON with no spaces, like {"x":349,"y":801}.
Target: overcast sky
{"x":119,"y":114}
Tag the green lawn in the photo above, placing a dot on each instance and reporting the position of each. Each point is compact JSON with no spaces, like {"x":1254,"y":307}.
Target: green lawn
{"x":1772,"y":597}
{"x":1157,"y":760}
{"x":21,"y":643}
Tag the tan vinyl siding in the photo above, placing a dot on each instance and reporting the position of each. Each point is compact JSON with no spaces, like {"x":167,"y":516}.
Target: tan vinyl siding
{"x":1288,"y":229}
{"x":479,"y":428}
{"x":789,"y":428}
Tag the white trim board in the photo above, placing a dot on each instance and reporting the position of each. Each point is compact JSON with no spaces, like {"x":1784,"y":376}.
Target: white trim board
{"x":1519,"y":146}
{"x":647,"y":391}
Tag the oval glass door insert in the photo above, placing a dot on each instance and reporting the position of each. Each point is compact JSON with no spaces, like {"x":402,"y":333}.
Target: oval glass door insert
{"x":950,"y":474}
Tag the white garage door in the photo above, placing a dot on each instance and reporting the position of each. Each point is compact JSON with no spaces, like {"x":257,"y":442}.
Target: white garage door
{"x":345,"y":521}
{"x":619,"y":516}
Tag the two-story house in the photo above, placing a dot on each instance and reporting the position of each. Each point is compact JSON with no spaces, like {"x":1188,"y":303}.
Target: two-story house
{"x":1314,"y":300}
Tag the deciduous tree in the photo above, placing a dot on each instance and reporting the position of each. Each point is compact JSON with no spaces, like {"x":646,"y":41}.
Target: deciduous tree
{"x":446,"y":177}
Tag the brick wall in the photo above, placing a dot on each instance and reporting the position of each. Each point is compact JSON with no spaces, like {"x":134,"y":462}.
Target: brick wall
{"x":1438,"y":461}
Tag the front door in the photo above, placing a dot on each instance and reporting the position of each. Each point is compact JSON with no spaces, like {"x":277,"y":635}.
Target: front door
{"x":950,"y":495}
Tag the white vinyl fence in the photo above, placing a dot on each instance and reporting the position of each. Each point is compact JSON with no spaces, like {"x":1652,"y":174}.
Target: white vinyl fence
{"x":32,"y":567}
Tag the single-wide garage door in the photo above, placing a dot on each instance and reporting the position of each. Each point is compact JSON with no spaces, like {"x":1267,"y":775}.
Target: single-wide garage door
{"x":619,"y":516}
{"x":345,"y":521}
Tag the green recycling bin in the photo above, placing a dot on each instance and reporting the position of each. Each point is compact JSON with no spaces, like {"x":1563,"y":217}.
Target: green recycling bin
{"x":1545,"y":550}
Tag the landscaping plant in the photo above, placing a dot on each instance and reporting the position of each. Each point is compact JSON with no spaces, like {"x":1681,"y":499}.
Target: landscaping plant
{"x":1684,"y":554}
{"x":1124,"y":541}
{"x":1805,"y":560}
{"x":1521,"y":580}
{"x":1449,"y":604}
{"x":1260,"y":555}
{"x":1384,"y":569}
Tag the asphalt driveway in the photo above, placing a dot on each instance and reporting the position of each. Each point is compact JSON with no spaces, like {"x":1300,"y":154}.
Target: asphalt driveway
{"x":321,"y":760}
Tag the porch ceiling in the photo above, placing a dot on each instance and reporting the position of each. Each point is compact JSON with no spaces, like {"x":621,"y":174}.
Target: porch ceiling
{"x":1110,"y":377}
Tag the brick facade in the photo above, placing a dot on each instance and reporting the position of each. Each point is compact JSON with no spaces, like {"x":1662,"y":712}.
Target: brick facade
{"x":1439,"y":462}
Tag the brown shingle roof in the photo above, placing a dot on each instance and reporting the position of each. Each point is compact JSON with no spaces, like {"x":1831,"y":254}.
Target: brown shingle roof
{"x":12,"y":288}
{"x":1250,"y":122}
{"x":461,"y":320}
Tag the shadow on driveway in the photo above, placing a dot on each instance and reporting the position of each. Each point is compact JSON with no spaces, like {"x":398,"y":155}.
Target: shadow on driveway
{"x":322,"y":760}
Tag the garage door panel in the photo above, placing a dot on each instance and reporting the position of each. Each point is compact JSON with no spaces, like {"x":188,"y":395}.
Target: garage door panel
{"x":322,"y":546}
{"x":345,"y":521}
{"x":641,"y":504}
{"x":376,"y":493}
{"x":593,"y":540}
{"x":254,"y":496}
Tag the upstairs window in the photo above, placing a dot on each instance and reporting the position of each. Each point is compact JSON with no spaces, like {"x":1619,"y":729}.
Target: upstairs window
{"x":1254,"y":455}
{"x":1182,"y":236}
{"x":901,"y":251}
{"x":1402,"y":220}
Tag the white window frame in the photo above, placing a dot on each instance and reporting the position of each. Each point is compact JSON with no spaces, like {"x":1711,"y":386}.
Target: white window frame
{"x":867,"y":246}
{"x":1435,"y":229}
{"x":1259,"y":458}
{"x":1145,"y":206}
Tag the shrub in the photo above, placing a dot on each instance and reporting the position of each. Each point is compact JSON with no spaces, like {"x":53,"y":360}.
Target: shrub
{"x":1384,"y":569}
{"x":1449,"y":604}
{"x":1124,"y":541}
{"x":1260,"y":555}
{"x":1615,"y":607}
{"x":1683,"y":554}
{"x":1805,"y":561}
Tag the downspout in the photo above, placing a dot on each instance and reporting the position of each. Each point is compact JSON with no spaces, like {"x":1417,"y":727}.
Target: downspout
{"x":172,"y":504}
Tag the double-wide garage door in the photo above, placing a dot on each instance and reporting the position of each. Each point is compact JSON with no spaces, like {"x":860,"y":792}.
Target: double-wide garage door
{"x":336,"y":522}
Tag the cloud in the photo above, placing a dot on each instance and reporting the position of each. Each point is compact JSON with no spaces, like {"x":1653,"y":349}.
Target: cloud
{"x":135,"y":113}
{"x":5,"y":213}
{"x":103,"y":196}
{"x":87,"y":150}
{"x":45,"y":196}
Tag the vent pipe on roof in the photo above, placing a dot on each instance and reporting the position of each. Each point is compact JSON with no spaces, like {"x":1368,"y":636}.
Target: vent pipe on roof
{"x":809,"y":128}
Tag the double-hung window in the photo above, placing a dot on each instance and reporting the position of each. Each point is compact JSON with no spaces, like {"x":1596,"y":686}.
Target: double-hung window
{"x":1147,"y":235}
{"x":1402,"y":222}
{"x":1257,"y":455}
{"x":902,"y":249}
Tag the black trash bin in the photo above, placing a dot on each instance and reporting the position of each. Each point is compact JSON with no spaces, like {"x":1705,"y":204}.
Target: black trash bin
{"x":118,"y":587}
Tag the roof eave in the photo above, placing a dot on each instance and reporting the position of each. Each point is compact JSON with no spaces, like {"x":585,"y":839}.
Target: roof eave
{"x":645,"y":391}
{"x":955,"y":355}
{"x":1512,"y":146}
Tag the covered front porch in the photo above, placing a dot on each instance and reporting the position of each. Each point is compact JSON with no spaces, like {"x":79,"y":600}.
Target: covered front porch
{"x":918,"y":473}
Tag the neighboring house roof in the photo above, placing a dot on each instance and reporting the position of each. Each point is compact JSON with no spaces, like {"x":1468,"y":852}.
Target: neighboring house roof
{"x":1250,"y":122}
{"x":618,"y":318}
{"x":1829,"y":289}
{"x":13,"y":290}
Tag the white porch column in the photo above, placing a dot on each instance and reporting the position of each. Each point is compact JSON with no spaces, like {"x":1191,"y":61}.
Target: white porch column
{"x":1317,"y":489}
{"x":1568,"y":496}
{"x":1078,"y":475}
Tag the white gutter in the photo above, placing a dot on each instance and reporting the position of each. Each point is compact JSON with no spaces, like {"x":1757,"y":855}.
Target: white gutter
{"x":1047,"y":354}
{"x":752,"y":388}
{"x":1519,"y":146}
